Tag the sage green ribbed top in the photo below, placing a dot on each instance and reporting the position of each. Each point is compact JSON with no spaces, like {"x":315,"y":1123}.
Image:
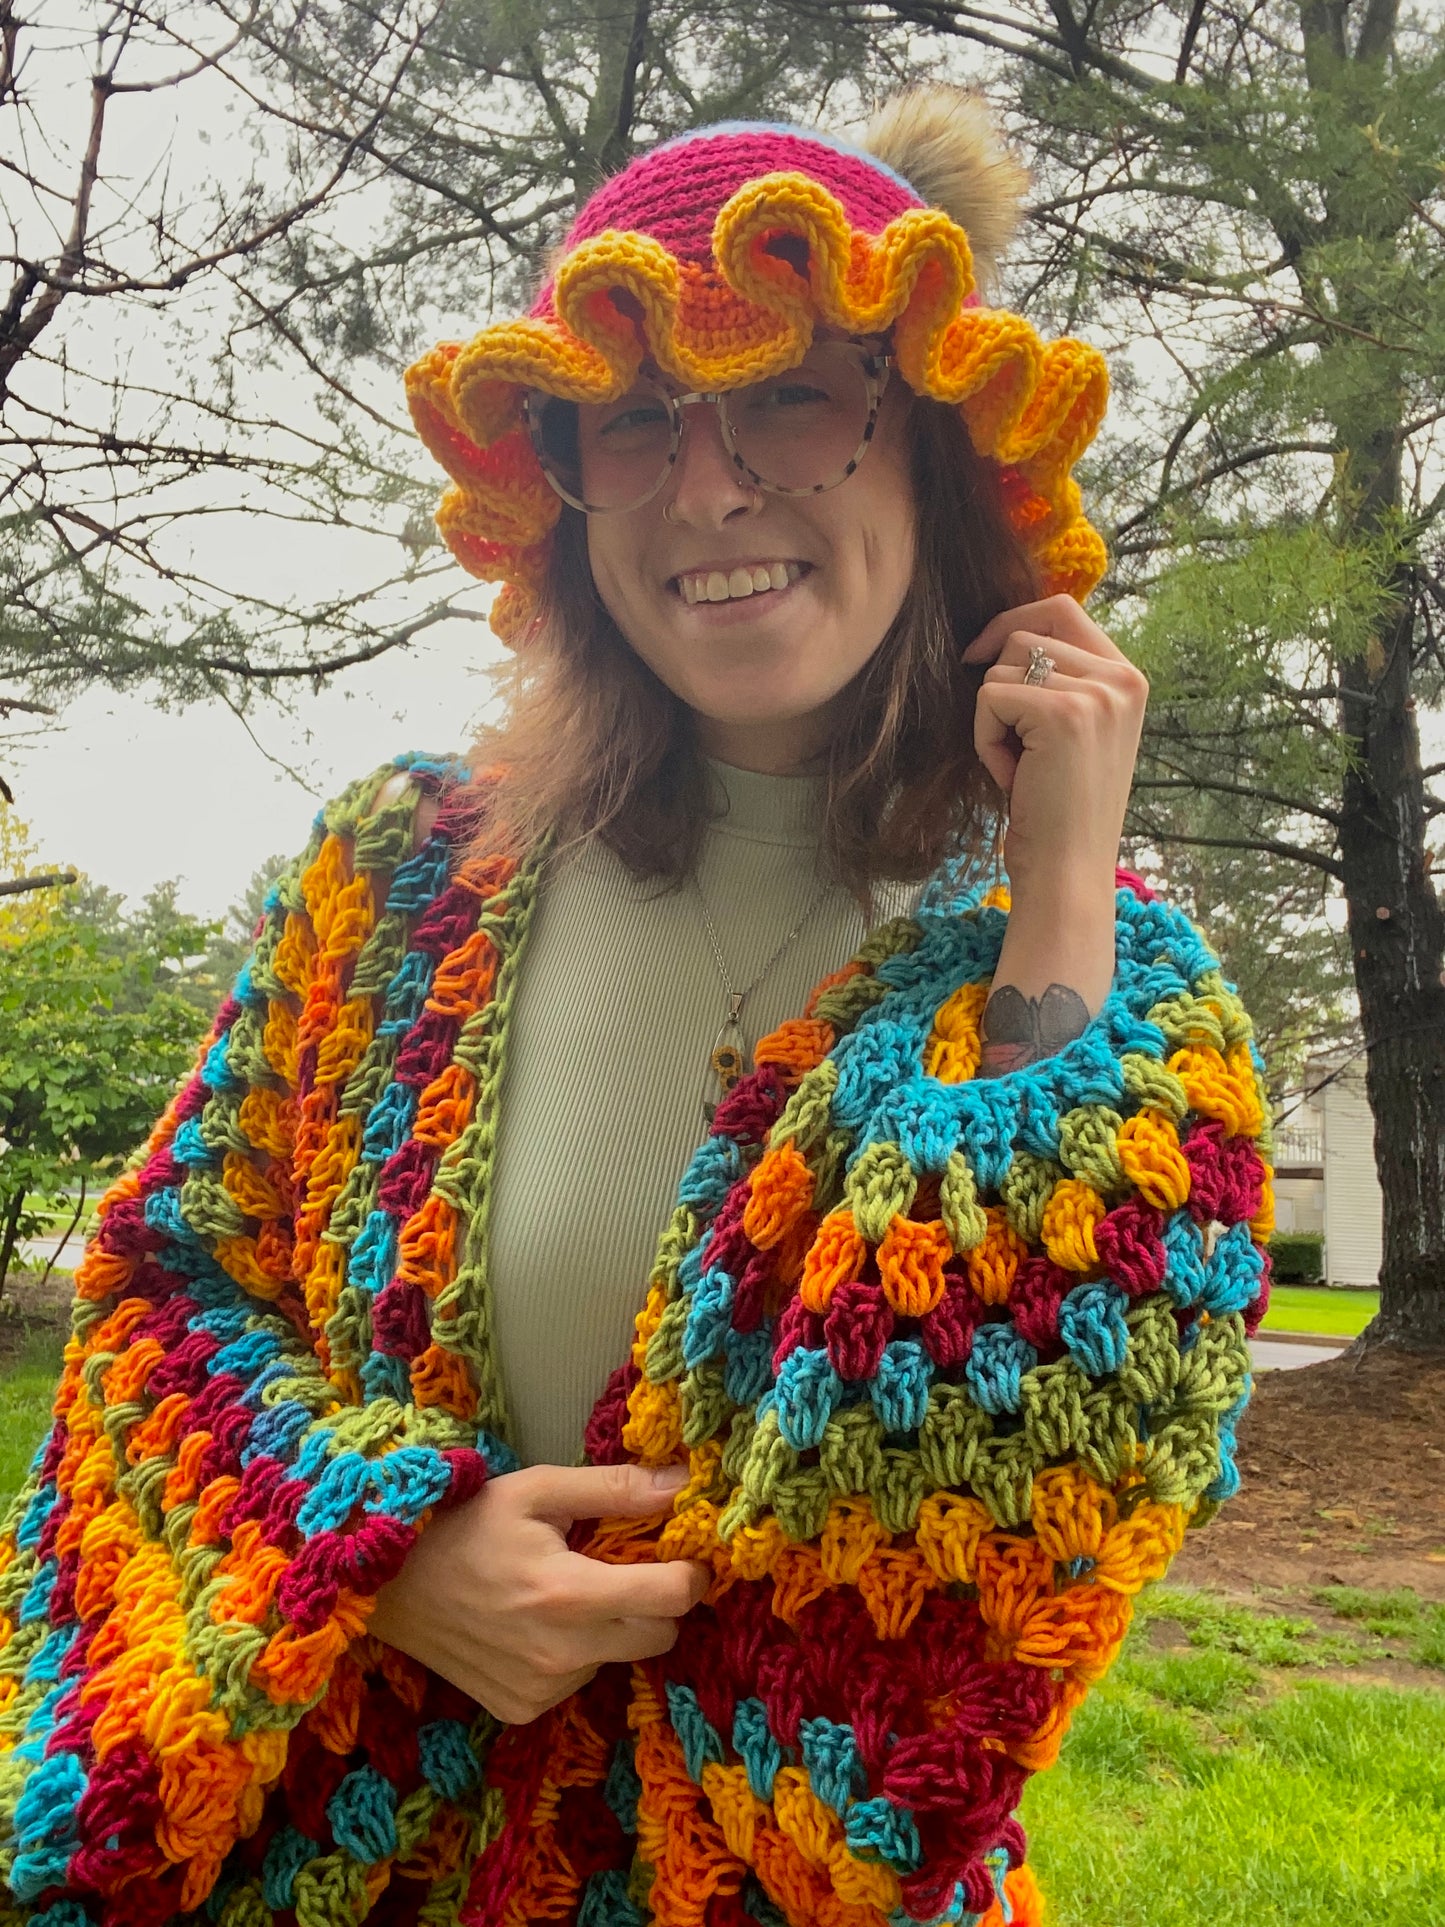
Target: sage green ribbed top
{"x":617,"y":1005}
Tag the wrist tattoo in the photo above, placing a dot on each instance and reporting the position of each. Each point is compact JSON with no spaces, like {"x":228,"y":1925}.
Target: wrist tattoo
{"x":1017,"y":1030}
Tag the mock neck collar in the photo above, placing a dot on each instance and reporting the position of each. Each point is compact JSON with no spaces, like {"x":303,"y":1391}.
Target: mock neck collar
{"x":768,"y":809}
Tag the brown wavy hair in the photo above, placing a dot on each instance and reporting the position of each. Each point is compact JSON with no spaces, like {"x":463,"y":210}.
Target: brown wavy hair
{"x":592,"y":743}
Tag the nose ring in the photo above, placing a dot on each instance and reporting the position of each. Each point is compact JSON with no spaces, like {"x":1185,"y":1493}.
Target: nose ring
{"x":753,"y":506}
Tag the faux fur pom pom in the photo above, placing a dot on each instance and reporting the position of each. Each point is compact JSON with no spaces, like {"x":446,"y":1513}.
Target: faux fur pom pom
{"x":943,"y":141}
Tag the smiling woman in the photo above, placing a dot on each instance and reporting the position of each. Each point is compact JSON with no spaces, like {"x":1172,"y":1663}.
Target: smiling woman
{"x":687,"y":1027}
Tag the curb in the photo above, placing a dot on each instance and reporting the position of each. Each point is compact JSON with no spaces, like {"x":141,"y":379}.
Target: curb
{"x":1319,"y":1340}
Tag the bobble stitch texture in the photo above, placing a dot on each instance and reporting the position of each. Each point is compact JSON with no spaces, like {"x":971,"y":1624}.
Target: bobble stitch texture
{"x":952,"y":1365}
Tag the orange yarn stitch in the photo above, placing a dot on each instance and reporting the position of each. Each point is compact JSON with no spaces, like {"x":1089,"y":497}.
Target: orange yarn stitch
{"x":1070,"y":1216}
{"x":1148,"y":1147}
{"x":910,"y":1264}
{"x":782,"y":1190}
{"x":992,"y":1265}
{"x":445,"y":1107}
{"x":835,"y":1255}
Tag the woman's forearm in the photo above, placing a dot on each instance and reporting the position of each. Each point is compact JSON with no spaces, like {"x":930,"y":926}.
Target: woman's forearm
{"x":1053,"y":974}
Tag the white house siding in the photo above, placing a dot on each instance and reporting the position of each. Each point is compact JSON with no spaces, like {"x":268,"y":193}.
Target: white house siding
{"x":1299,"y":1204}
{"x":1353,"y":1205}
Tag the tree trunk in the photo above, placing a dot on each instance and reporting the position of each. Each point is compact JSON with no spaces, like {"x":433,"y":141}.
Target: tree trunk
{"x":1397,"y":937}
{"x":621,"y":49}
{"x":1395,"y":917}
{"x":8,"y":1236}
{"x":66,"y":1237}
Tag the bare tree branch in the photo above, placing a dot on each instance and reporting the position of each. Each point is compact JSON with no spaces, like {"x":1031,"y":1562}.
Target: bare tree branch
{"x":46,"y":880}
{"x":1268,"y":846}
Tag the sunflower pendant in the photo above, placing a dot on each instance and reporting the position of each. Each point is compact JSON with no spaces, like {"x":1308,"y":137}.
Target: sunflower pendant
{"x":727,"y":1058}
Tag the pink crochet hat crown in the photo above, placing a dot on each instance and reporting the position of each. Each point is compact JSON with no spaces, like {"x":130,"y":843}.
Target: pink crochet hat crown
{"x":717,"y":254}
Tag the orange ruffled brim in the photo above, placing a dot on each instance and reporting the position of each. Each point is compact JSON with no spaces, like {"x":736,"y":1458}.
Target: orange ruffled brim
{"x":1029,"y":405}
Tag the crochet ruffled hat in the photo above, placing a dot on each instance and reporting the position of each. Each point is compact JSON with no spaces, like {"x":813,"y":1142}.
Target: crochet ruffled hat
{"x":717,"y":254}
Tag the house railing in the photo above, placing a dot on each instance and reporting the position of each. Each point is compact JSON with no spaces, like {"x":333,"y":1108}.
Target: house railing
{"x":1294,"y":1146}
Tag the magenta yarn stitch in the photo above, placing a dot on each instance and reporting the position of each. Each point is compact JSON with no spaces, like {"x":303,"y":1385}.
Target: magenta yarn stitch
{"x":674,"y":192}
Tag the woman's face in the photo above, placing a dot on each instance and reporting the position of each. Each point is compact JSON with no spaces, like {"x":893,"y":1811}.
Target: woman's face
{"x":761,"y":672}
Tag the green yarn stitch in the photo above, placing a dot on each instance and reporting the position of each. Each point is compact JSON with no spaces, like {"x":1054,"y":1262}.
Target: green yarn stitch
{"x":806,"y":1116}
{"x":850,"y":1452}
{"x":1027,"y":1187}
{"x":1187,"y":1021}
{"x":330,"y":1891}
{"x":880,"y":1187}
{"x":209,"y":1209}
{"x":706,"y":1407}
{"x":1088,"y":1145}
{"x":1153,"y":1087}
{"x":962,"y":1214}
{"x":663,"y":1358}
{"x":1236,"y":1022}
{"x":380,"y":956}
{"x":901,"y":1489}
{"x":800,"y":1503}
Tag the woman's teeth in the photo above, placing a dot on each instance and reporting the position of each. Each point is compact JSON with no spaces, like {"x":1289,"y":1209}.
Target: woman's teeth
{"x":719,"y":585}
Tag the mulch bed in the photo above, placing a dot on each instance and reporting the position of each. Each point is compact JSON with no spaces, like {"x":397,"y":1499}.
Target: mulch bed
{"x":27,"y":1304}
{"x":1343,"y":1483}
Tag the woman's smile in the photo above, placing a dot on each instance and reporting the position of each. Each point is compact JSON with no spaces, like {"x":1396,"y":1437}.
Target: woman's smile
{"x":737,"y":581}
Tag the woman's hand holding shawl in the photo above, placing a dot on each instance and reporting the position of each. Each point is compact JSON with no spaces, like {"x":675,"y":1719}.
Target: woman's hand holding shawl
{"x":492,"y":1598}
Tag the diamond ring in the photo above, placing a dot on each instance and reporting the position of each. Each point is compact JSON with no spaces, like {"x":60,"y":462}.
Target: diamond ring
{"x":1041,"y":666}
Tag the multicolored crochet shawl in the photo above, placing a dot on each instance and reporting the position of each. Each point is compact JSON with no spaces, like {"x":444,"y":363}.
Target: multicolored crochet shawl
{"x":954,"y":1363}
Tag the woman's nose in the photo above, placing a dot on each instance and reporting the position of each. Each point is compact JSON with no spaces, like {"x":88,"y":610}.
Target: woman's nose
{"x":708,"y":489}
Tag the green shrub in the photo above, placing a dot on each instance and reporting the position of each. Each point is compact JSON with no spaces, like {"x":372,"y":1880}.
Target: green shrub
{"x":1298,"y":1256}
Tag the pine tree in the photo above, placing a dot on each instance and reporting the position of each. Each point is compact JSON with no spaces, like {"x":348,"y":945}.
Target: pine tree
{"x":1247,"y":203}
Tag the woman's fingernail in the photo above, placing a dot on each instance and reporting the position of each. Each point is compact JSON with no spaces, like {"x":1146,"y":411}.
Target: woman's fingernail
{"x":669,"y":1475}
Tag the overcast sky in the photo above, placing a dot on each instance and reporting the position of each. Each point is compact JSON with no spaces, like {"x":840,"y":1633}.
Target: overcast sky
{"x":128,"y":793}
{"x":132,"y":795}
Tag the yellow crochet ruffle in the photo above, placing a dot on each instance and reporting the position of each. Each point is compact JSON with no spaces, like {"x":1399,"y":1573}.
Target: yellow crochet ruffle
{"x":1031,"y":406}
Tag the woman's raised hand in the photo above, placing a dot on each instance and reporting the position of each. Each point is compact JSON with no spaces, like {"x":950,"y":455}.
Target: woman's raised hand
{"x":1062,"y":751}
{"x":493,"y":1598}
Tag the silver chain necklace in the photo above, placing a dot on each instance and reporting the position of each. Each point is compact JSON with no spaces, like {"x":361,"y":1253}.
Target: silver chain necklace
{"x":728,"y":1057}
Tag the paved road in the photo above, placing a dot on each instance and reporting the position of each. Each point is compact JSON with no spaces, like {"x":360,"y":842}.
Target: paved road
{"x":1269,"y":1355}
{"x":35,"y":1251}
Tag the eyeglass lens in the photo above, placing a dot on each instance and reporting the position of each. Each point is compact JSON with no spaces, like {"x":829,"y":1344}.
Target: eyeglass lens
{"x":799,"y":431}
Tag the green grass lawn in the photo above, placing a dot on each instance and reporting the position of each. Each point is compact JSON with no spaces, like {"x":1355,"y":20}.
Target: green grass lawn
{"x":27,"y":1385}
{"x":1315,"y":1308}
{"x":1199,"y":1785}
